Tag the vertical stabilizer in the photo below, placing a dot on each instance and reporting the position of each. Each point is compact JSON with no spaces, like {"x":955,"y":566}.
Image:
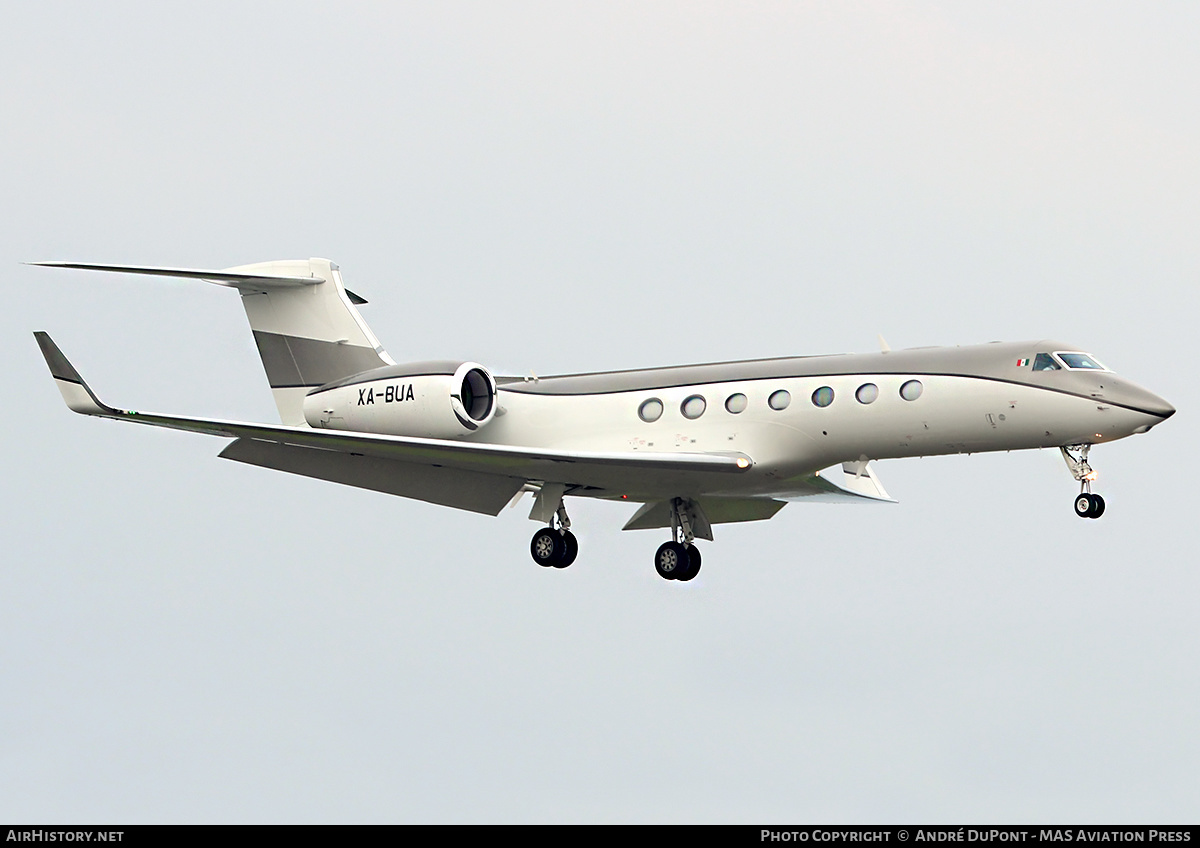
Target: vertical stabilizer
{"x":307,"y":335}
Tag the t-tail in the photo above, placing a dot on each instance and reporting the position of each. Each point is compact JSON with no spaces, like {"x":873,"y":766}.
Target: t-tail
{"x":304,"y":321}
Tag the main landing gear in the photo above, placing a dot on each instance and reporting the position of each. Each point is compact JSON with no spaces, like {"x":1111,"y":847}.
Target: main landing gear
{"x":1087,"y":505}
{"x":555,"y":546}
{"x":677,"y":560}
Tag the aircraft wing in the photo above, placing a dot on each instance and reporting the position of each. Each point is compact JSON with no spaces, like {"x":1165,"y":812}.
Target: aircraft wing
{"x":498,"y":471}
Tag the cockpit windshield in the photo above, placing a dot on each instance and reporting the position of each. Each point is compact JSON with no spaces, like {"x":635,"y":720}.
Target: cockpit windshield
{"x":1080,"y":360}
{"x":1045,"y":362}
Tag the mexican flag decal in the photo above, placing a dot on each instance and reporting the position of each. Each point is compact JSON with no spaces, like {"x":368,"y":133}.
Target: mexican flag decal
{"x":1021,"y":363}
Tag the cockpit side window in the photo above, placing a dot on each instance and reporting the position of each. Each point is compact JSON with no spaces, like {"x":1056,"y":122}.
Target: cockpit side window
{"x":1080,"y":360}
{"x":1045,"y":362}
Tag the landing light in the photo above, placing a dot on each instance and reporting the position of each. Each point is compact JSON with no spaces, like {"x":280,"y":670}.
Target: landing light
{"x":743,"y":462}
{"x":1090,"y":477}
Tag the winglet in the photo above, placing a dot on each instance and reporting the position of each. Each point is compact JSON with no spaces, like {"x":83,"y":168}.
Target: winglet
{"x":79,"y":397}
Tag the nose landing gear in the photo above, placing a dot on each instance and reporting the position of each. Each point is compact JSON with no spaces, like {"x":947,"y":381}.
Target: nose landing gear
{"x":677,"y":560}
{"x":1087,"y":505}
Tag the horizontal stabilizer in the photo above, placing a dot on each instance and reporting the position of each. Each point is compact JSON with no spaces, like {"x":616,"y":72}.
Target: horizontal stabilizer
{"x":227,"y":277}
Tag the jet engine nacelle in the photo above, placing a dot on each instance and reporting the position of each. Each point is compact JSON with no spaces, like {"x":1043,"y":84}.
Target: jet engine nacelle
{"x":437,"y":400}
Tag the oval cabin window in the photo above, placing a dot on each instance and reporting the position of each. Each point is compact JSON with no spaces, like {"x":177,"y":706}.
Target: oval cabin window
{"x":693,"y":407}
{"x":650,"y":410}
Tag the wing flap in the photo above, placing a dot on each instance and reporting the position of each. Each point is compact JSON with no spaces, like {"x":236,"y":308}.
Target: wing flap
{"x":469,"y":490}
{"x":854,"y":482}
{"x":657,"y":514}
{"x":859,"y":478}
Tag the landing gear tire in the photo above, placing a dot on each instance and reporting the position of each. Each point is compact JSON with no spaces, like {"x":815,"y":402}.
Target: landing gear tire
{"x":1088,"y":505}
{"x":549,"y":547}
{"x":671,"y":561}
{"x":570,"y":549}
{"x":693,"y":567}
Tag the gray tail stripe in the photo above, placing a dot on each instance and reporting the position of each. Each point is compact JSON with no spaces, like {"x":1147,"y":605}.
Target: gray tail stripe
{"x":297,"y":361}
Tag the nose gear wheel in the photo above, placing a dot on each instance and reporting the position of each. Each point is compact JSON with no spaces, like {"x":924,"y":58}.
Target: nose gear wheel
{"x":1088,"y":505}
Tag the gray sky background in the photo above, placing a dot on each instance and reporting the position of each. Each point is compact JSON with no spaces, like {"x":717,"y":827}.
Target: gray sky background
{"x":556,"y":187}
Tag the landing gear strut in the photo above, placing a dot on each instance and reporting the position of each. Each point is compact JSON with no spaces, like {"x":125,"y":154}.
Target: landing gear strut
{"x":555,"y":546}
{"x":1087,"y":505}
{"x":677,"y":560}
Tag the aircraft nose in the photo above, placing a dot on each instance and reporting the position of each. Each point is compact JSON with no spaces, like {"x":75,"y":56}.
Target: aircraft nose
{"x":1135,"y":397}
{"x":1117,"y":390}
{"x":1164,"y":409}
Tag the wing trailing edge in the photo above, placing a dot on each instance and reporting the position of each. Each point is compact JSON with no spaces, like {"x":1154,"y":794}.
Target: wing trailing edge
{"x":703,"y":512}
{"x":470,"y":490}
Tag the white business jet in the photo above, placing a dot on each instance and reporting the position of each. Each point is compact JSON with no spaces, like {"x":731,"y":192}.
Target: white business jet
{"x":695,"y":445}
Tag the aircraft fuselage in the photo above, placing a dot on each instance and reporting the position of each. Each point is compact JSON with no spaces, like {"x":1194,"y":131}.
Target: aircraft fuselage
{"x":795,"y":416}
